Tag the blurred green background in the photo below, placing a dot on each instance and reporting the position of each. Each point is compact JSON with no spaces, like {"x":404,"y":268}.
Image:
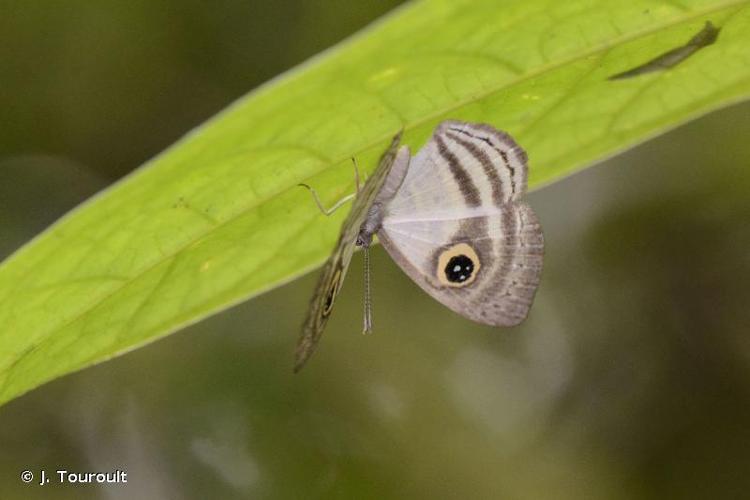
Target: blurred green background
{"x":630,"y":379}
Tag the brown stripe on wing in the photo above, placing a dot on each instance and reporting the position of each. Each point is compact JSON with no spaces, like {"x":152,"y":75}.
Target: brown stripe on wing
{"x":502,"y":143}
{"x":520,"y":253}
{"x":489,"y":168}
{"x":460,"y":175}
{"x":491,"y":294}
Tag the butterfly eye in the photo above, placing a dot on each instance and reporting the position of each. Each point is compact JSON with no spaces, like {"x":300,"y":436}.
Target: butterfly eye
{"x":458,"y":265}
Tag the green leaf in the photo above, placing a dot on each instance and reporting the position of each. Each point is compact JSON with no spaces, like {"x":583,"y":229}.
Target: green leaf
{"x":218,"y":218}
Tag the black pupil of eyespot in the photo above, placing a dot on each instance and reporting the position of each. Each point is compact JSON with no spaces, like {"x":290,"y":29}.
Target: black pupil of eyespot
{"x":459,"y":269}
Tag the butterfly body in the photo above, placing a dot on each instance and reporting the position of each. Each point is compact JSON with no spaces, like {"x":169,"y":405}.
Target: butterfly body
{"x":453,"y":219}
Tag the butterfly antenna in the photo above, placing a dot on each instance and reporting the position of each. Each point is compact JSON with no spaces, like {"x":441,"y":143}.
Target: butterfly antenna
{"x":368,"y":303}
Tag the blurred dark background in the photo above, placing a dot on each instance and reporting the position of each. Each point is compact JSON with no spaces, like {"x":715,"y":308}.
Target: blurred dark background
{"x":630,"y":379}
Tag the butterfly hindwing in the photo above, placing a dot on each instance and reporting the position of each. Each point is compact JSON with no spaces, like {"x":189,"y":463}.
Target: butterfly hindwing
{"x":458,"y":228}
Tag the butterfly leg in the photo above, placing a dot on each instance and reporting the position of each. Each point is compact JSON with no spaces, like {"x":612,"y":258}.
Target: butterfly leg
{"x":329,"y":211}
{"x":324,"y":210}
{"x":356,"y":173}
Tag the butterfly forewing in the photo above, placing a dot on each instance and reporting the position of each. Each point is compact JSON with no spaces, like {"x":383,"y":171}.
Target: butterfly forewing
{"x":334,"y":270}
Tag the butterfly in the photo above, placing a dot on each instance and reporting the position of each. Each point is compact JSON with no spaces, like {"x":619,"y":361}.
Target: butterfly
{"x":452,"y":217}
